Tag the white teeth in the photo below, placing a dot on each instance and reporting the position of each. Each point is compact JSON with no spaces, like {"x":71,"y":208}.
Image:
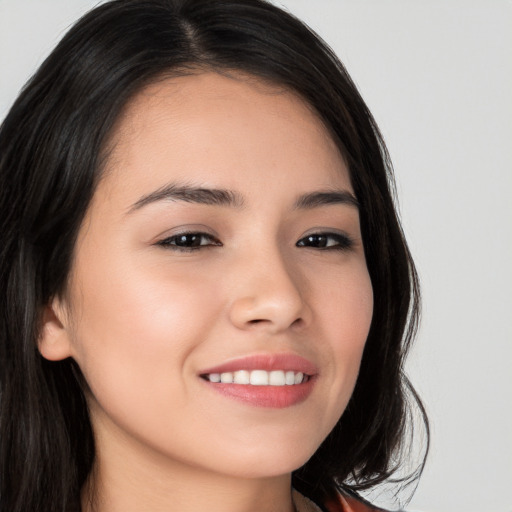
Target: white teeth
{"x":242,"y":377}
{"x":276,"y":378}
{"x":289,"y":378}
{"x":226,"y":378}
{"x":259,"y":377}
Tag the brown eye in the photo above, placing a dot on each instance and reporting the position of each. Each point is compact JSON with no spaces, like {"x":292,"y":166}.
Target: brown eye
{"x":326,"y":241}
{"x":189,"y":241}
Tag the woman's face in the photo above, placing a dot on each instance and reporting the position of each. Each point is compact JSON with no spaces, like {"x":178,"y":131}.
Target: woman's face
{"x":223,"y":243}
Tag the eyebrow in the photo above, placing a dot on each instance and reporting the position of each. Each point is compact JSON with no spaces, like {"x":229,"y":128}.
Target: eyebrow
{"x":316,"y":199}
{"x":230,"y":198}
{"x":198,"y":195}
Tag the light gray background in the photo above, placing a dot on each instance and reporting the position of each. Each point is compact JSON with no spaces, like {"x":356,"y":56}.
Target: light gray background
{"x":438,"y":77}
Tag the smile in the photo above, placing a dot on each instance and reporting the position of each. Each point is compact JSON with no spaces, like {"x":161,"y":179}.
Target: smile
{"x":274,"y":381}
{"x":259,"y":377}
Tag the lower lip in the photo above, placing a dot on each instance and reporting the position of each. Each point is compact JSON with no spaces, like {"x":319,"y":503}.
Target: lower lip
{"x":274,"y":397}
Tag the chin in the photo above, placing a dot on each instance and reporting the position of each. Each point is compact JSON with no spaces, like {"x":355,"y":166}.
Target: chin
{"x":268,"y":463}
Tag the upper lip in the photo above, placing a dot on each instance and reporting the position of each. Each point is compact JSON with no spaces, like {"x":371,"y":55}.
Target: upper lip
{"x":268,"y":362}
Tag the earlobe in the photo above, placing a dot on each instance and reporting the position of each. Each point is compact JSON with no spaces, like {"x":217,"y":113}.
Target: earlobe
{"x":54,"y":341}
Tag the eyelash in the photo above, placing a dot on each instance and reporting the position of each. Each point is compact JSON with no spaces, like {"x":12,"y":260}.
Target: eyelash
{"x":341,"y":242}
{"x":173,"y":241}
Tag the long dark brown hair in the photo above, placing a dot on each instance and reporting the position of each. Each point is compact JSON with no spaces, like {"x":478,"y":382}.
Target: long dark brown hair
{"x":51,"y":153}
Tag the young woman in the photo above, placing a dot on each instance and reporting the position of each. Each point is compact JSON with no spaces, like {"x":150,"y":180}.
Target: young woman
{"x":206,"y":294}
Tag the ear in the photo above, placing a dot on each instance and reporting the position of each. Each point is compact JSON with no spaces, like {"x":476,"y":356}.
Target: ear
{"x":54,"y":340}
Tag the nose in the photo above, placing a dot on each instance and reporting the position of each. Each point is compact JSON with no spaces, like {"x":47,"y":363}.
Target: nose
{"x":269,"y":295}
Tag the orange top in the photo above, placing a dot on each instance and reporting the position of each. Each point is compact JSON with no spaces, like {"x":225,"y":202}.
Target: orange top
{"x":341,"y":503}
{"x":349,"y":504}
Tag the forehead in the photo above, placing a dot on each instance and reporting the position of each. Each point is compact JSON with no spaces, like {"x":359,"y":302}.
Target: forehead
{"x":209,"y":127}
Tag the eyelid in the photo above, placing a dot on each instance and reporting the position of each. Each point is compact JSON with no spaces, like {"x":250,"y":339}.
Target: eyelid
{"x":345,"y":241}
{"x":166,"y":241}
{"x":185,"y":229}
{"x":342,"y":240}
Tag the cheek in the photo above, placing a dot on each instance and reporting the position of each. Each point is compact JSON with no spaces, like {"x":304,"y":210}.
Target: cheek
{"x":135,"y":328}
{"x":346,"y":312}
{"x":344,"y":301}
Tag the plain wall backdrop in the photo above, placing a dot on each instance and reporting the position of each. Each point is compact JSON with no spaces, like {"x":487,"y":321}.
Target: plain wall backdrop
{"x":437,"y":76}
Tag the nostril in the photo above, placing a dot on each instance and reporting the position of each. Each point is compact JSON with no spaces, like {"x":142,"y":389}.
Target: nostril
{"x":256,"y":321}
{"x":297,"y":322}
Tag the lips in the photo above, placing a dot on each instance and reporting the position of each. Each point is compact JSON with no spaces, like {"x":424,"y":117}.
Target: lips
{"x":264,"y":380}
{"x":267,"y":362}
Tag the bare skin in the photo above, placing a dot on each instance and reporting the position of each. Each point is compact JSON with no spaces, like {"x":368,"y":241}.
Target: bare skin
{"x":166,"y":286}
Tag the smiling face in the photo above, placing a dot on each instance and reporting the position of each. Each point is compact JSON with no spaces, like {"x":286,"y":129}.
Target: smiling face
{"x":222,"y":244}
